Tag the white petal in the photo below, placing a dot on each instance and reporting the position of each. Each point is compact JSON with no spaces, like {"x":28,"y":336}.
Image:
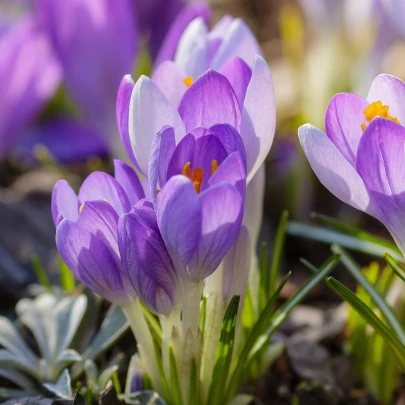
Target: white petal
{"x":149,"y":111}
{"x":258,"y":116}
{"x":192,"y":51}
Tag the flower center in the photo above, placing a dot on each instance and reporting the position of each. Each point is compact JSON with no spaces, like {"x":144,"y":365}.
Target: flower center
{"x":188,"y":81}
{"x":377,"y":109}
{"x":196,"y":175}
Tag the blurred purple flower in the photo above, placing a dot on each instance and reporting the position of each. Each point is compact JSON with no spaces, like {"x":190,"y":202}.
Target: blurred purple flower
{"x":361,"y":159}
{"x":96,"y":43}
{"x":87,"y":229}
{"x":29,"y":77}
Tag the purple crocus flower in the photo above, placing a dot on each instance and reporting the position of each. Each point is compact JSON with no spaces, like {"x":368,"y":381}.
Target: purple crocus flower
{"x":361,"y":157}
{"x":29,"y":76}
{"x":242,"y":99}
{"x":87,"y":229}
{"x":96,"y":43}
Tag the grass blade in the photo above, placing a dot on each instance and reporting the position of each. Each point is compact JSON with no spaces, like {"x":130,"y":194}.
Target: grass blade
{"x":175,"y":386}
{"x":395,"y":266}
{"x":223,"y":359}
{"x":67,"y":278}
{"x":385,"y":309}
{"x":330,"y":237}
{"x":369,"y":316}
{"x":40,"y":273}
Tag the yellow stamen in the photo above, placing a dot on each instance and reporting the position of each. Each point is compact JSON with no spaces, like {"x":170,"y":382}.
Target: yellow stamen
{"x":377,"y":109}
{"x":214,"y":166}
{"x":188,"y":81}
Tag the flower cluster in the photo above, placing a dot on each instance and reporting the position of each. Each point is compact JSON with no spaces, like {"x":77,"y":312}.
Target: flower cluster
{"x":198,"y":132}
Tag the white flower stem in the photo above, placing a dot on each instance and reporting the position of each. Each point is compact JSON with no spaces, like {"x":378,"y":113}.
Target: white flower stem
{"x":190,"y":315}
{"x":136,"y":318}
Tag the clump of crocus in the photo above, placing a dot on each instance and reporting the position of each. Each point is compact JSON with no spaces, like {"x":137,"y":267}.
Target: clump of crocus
{"x":361,"y":157}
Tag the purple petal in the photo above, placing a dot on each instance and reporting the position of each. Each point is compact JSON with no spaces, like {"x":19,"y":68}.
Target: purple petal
{"x":230,"y":139}
{"x":381,"y":165}
{"x":100,"y":218}
{"x":209,"y":101}
{"x":188,"y":14}
{"x":146,"y":260}
{"x":390,"y":91}
{"x":162,"y":150}
{"x":129,"y":181}
{"x":192,"y":51}
{"x":333,"y":170}
{"x":169,"y":79}
{"x":91,"y":261}
{"x":343,"y":123}
{"x":238,"y":41}
{"x":179,"y":218}
{"x":236,"y":266}
{"x":66,"y":140}
{"x":149,"y":112}
{"x":122,"y":114}
{"x":30,"y":76}
{"x":258,"y":116}
{"x":64,"y":202}
{"x":101,"y":186}
{"x":222,"y":213}
{"x":238,"y":73}
{"x":96,"y":44}
{"x":233,"y":171}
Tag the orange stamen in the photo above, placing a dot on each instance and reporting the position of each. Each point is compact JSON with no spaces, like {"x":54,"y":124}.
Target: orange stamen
{"x":377,"y":109}
{"x":196,"y":176}
{"x":188,"y":81}
{"x":214,"y":166}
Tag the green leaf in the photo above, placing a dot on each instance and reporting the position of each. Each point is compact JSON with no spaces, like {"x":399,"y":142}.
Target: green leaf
{"x":223,"y":357}
{"x":67,"y":278}
{"x":40,"y":273}
{"x":395,"y":266}
{"x":278,"y":247}
{"x":351,"y":242}
{"x":193,"y":395}
{"x":357,"y":232}
{"x":174,"y":379}
{"x":385,"y":309}
{"x":264,"y":275}
{"x":258,"y":329}
{"x":369,"y":316}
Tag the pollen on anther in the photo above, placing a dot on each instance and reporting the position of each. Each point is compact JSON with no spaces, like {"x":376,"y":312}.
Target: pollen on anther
{"x":188,"y":81}
{"x":214,"y":166}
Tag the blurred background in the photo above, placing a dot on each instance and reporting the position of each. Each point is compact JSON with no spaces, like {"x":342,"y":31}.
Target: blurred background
{"x":59,"y":73}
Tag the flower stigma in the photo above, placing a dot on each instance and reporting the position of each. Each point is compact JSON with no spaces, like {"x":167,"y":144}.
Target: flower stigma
{"x":188,"y":81}
{"x":377,"y":109}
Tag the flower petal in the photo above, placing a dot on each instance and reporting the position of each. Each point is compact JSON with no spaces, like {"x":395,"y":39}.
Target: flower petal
{"x":238,"y":41}
{"x":129,"y":181}
{"x":169,"y":77}
{"x":210,"y":100}
{"x":100,"y":218}
{"x":122,"y":114}
{"x":239,"y":74}
{"x":236,"y":266}
{"x":192,"y":51}
{"x":179,"y":218}
{"x":222,"y":213}
{"x":332,"y":169}
{"x":90,"y":260}
{"x":101,"y":186}
{"x":381,"y":165}
{"x":233,"y":171}
{"x":64,"y":202}
{"x":149,"y":112}
{"x":343,"y":123}
{"x":146,"y":259}
{"x":187,"y":15}
{"x":162,"y":150}
{"x":390,"y":91}
{"x":258,"y":116}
